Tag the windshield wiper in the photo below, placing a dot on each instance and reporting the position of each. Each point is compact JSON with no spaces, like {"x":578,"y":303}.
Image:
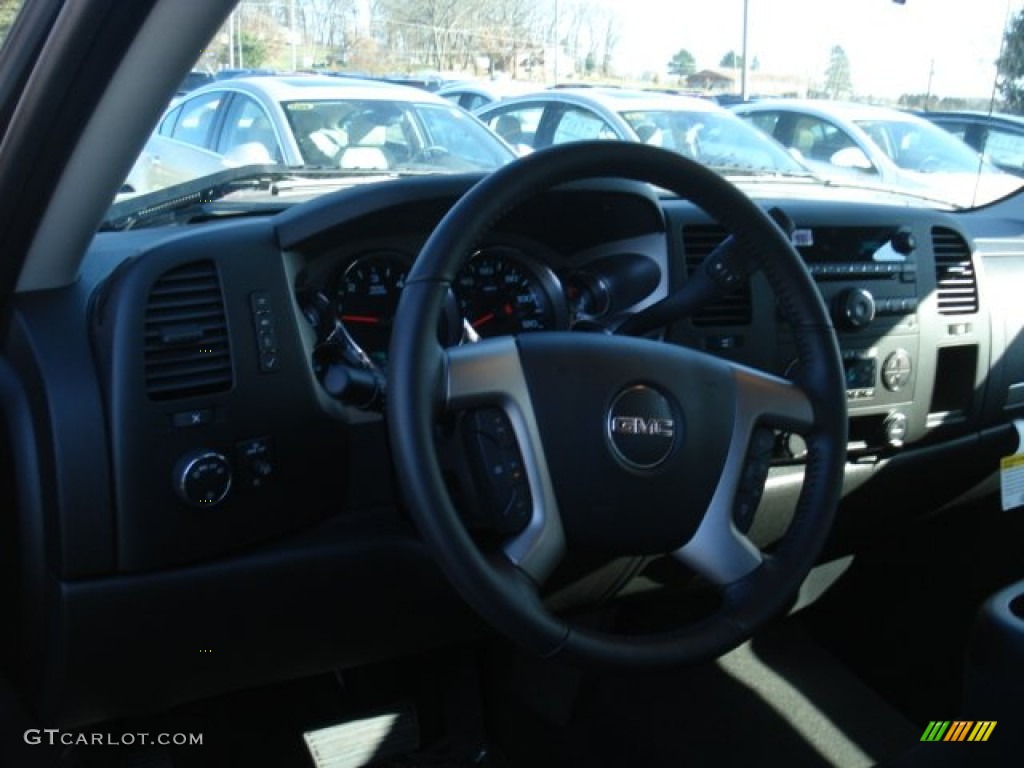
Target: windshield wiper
{"x":171,"y":202}
{"x":762,"y":173}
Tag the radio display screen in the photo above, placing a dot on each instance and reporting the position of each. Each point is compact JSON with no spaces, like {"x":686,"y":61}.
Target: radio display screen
{"x":846,"y":245}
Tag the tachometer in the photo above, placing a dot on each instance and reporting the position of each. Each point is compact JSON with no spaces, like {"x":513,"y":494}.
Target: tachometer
{"x":367,"y":298}
{"x":501,"y":290}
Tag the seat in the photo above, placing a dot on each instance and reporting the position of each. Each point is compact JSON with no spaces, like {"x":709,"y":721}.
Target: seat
{"x":509,"y":128}
{"x":368,"y":152}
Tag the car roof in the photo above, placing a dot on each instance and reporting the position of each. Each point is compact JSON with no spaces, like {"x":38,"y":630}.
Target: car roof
{"x":617,"y":99}
{"x":976,"y":115}
{"x":499,"y":87}
{"x":320,"y":87}
{"x":848,"y":110}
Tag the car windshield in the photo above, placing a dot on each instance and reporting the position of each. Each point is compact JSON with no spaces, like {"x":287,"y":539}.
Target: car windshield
{"x":718,"y":140}
{"x":733,"y":55}
{"x":403,"y":135}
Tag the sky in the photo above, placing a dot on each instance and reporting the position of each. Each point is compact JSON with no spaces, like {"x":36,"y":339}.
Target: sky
{"x":892,"y":48}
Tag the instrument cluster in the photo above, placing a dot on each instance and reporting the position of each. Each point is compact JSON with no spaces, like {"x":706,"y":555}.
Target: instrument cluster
{"x":506,"y":287}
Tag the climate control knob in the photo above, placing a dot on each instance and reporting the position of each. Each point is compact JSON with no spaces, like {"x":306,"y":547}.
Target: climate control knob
{"x":202,"y":478}
{"x":854,"y":308}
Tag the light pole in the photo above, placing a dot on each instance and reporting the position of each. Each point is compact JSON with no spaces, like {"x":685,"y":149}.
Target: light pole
{"x":556,"y":42}
{"x":292,"y":33}
{"x":745,"y":60}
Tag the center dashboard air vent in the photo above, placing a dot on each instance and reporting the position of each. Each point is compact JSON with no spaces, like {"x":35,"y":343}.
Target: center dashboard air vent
{"x":186,"y":348}
{"x":956,"y":287}
{"x":732,"y":309}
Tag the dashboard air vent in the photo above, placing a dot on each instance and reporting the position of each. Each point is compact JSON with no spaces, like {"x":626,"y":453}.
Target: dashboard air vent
{"x":733,"y":308}
{"x":186,"y":339}
{"x":956,"y":286}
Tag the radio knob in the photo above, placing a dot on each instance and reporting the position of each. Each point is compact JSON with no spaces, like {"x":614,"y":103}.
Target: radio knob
{"x":202,"y":478}
{"x":854,"y":308}
{"x":904,"y":242}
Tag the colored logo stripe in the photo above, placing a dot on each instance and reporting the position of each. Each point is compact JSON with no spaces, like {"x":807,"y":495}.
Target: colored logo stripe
{"x":982,"y":730}
{"x":958,"y":730}
{"x":935,"y":731}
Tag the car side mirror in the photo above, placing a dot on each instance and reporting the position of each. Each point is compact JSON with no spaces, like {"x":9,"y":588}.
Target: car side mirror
{"x":851,"y":157}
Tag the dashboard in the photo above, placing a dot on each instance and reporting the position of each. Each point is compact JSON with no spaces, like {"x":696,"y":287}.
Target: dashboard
{"x":203,"y":452}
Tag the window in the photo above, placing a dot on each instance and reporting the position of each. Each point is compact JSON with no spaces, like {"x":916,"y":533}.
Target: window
{"x":196,"y":120}
{"x":517,"y":126}
{"x":1005,"y":149}
{"x":249,"y":133}
{"x":579,"y":124}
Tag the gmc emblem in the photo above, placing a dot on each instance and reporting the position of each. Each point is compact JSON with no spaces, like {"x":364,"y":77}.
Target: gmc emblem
{"x":636,"y":425}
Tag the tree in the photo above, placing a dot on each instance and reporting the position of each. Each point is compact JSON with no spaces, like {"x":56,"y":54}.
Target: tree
{"x":8,"y":10}
{"x":838,"y":82}
{"x":731,"y":60}
{"x":682,"y":64}
{"x":1010,"y":66}
{"x":254,"y":50}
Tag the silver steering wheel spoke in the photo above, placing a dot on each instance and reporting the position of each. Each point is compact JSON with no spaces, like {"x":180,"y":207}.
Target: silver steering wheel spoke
{"x":489,"y":373}
{"x":718,"y":550}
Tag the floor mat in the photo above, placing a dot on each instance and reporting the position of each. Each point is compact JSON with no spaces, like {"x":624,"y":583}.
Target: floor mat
{"x":778,"y":700}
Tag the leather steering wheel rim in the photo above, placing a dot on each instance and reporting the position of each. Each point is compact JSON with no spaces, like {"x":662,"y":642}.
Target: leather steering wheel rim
{"x":425,"y":380}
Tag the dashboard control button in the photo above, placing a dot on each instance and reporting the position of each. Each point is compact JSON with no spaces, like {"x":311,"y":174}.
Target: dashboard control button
{"x":855,"y":308}
{"x":895,"y":428}
{"x":194,"y":418}
{"x":202,"y":478}
{"x":254,"y":461}
{"x":896,"y":370}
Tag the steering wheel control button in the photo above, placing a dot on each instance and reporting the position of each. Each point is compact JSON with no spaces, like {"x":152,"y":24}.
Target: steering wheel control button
{"x":265,"y":330}
{"x":642,"y":427}
{"x":753,"y":478}
{"x":202,"y":478}
{"x":504,"y":503}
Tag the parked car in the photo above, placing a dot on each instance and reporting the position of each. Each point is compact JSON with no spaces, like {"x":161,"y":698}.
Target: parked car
{"x":194,"y":79}
{"x":229,"y":73}
{"x":598,"y":458}
{"x":692,"y":126}
{"x":312,"y":120}
{"x":473,"y":94}
{"x":880,"y":146}
{"x":999,"y":137}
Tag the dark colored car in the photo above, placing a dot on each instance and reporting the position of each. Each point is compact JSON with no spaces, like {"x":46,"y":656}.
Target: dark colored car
{"x":999,"y":137}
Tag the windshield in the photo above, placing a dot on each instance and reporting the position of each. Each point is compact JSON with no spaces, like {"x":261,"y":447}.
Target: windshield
{"x":400,"y":135}
{"x":919,"y":57}
{"x":718,"y":140}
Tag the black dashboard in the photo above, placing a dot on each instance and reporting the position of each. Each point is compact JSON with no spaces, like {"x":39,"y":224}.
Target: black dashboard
{"x":200,"y":454}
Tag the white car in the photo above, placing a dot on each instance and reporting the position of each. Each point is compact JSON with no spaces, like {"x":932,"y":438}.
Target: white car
{"x":311,"y":121}
{"x":880,"y":146}
{"x":691,"y":126}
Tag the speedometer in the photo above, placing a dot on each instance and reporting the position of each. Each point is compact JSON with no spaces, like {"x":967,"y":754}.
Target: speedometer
{"x":501,"y":290}
{"x":367,"y":298}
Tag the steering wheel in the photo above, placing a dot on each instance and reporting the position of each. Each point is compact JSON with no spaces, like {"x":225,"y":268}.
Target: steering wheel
{"x":629,"y":446}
